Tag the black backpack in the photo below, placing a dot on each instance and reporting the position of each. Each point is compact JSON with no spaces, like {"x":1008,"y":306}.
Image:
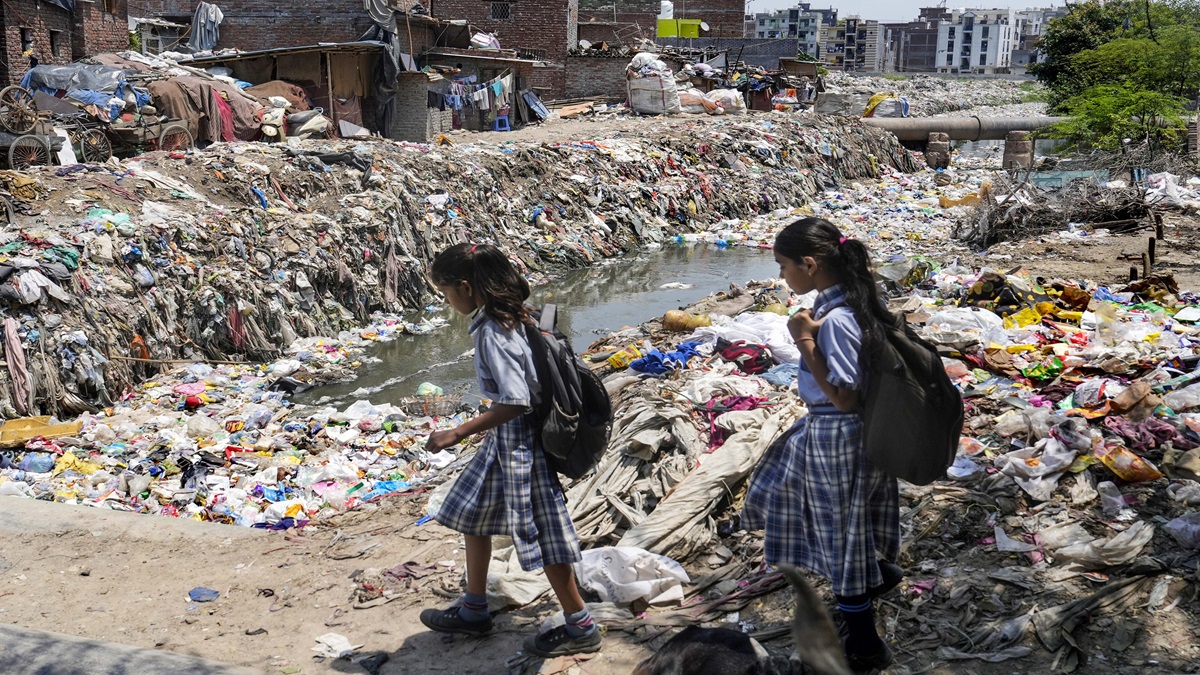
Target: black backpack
{"x":913,"y":413}
{"x":573,"y":408}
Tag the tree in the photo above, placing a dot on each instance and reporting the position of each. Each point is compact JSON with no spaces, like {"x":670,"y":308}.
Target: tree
{"x":1170,"y":66}
{"x":1085,"y":26}
{"x":1106,"y":117}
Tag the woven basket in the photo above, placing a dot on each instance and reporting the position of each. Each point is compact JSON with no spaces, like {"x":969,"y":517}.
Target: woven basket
{"x":430,"y":406}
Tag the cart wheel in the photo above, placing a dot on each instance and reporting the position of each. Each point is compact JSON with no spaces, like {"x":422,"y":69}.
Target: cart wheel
{"x":94,"y":147}
{"x":28,"y":151}
{"x":174,"y":137}
{"x":18,"y":112}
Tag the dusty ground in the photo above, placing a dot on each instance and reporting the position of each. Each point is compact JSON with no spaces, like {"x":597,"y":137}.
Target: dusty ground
{"x":125,"y":578}
{"x":1107,"y":260}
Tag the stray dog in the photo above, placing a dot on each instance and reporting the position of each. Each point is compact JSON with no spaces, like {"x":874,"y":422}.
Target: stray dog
{"x":721,"y":651}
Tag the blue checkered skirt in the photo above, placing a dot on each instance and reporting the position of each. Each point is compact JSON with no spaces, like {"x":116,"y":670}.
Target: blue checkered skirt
{"x":823,"y":506}
{"x":508,"y":489}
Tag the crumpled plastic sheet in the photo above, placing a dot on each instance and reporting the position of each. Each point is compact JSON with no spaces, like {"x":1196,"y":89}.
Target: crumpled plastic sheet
{"x":622,"y":574}
{"x":1037,"y":469}
{"x":682,"y":521}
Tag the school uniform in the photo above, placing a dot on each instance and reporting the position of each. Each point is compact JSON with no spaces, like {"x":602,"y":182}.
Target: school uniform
{"x":821,"y":503}
{"x":507,"y":488}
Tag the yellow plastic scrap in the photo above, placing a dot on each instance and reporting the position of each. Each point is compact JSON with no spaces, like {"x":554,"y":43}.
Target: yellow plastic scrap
{"x":1023,"y":318}
{"x":70,"y":462}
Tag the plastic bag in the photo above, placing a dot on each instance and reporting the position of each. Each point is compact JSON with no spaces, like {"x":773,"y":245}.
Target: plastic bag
{"x":1186,"y":492}
{"x":1183,"y":399}
{"x":730,"y":100}
{"x":1111,"y":499}
{"x":1061,"y":536}
{"x":624,"y":574}
{"x":1128,"y":466}
{"x":1037,"y":469}
{"x":202,"y":426}
{"x":1035,"y":424}
{"x":1118,"y":550}
{"x":36,"y":462}
{"x":1186,"y":530}
{"x":965,"y":326}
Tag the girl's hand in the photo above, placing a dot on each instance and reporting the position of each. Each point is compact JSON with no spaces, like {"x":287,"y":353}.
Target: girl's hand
{"x":803,"y":325}
{"x":440,"y":440}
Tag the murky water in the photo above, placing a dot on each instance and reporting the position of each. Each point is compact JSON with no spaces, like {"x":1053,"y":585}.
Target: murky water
{"x":593,"y":302}
{"x":1042,"y":147}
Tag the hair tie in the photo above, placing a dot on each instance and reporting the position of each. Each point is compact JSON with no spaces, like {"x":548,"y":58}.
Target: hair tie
{"x":841,"y":240}
{"x":477,"y":246}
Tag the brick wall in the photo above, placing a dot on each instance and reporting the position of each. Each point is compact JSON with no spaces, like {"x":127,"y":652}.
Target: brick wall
{"x":40,"y":20}
{"x":725,"y":18}
{"x":544,"y":25}
{"x":632,"y":19}
{"x":251,"y":25}
{"x":594,"y":76}
{"x":98,"y":30}
{"x":550,"y":81}
{"x":413,"y":118}
{"x":759,"y":52}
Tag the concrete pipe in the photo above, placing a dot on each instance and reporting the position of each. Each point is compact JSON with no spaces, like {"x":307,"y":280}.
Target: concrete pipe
{"x":959,"y":128}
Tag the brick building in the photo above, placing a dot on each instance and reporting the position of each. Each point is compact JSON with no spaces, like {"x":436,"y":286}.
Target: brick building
{"x":626,"y":21}
{"x":252,"y":25}
{"x":540,"y":29}
{"x":58,"y":32}
{"x":911,"y":47}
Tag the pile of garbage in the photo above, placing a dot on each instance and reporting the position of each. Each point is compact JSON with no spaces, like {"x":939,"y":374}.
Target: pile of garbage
{"x":227,"y":254}
{"x":928,"y":95}
{"x":1075,"y":486}
{"x":222,"y":443}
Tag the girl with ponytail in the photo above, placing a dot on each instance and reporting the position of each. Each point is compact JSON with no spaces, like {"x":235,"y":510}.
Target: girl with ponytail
{"x":822,"y":505}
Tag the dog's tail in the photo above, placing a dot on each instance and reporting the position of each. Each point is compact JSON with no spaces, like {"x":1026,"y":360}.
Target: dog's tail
{"x":813,"y":634}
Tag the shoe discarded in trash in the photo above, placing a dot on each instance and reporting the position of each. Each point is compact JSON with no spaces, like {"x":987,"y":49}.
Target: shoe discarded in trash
{"x":557,"y":642}
{"x":449,"y":621}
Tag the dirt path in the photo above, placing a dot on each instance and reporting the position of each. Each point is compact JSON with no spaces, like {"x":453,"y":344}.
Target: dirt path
{"x":125,"y":578}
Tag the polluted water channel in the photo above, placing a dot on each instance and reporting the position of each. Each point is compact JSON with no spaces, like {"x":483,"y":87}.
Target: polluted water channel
{"x":594,"y":302}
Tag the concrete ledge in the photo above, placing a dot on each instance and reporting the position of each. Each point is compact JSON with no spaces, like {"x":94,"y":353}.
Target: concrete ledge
{"x":33,"y":652}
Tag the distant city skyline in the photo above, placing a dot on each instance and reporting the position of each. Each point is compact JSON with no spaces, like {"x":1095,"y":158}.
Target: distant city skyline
{"x":886,"y":10}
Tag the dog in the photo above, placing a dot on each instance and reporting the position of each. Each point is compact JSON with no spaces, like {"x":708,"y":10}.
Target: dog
{"x":721,"y":651}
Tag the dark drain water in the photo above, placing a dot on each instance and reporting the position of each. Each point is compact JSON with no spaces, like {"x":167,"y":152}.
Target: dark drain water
{"x":595,"y":302}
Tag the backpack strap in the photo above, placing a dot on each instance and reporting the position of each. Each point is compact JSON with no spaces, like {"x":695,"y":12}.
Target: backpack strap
{"x":549,"y":318}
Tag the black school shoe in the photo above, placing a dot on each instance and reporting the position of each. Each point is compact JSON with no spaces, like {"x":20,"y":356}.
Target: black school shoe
{"x":449,"y":621}
{"x":557,"y":642}
{"x":866,"y":663}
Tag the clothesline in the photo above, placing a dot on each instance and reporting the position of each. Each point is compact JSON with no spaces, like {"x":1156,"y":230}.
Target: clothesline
{"x":464,"y":93}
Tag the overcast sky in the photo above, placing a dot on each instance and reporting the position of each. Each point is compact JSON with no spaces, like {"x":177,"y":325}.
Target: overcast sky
{"x":884,"y":10}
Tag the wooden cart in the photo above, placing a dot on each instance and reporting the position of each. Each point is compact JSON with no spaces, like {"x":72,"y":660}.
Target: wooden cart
{"x":94,"y":141}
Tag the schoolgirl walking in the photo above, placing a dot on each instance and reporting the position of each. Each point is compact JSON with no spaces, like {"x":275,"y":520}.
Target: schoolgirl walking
{"x":507,"y":488}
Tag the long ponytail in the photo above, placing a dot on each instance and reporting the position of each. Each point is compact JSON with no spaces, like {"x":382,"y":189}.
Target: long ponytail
{"x":850,"y":261}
